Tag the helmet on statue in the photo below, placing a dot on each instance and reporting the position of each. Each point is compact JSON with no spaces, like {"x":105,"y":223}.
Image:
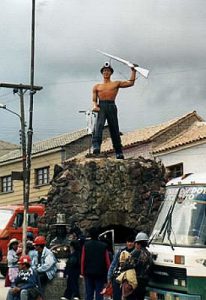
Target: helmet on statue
{"x":107,"y":66}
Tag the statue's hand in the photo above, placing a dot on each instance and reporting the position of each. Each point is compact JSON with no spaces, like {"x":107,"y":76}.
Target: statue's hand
{"x":96,"y":108}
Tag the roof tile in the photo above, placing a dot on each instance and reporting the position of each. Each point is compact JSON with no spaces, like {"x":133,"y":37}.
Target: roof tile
{"x":148,"y":133}
{"x":195,"y":133}
{"x":49,"y":144}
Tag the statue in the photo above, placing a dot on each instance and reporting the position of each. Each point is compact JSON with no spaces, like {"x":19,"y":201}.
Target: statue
{"x":61,"y":237}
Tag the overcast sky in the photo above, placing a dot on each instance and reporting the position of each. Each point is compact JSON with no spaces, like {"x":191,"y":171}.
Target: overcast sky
{"x":167,"y":37}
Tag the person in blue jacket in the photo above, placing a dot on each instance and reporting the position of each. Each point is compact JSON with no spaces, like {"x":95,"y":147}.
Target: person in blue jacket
{"x":115,"y":267}
{"x":27,"y":283}
{"x":47,"y":262}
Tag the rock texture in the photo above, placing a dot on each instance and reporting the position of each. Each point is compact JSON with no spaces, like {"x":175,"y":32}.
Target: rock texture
{"x":106,"y":193}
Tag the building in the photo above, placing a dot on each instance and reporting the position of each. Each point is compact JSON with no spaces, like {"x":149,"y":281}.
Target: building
{"x":179,"y":143}
{"x":6,"y":147}
{"x":186,"y":152}
{"x":45,"y":155}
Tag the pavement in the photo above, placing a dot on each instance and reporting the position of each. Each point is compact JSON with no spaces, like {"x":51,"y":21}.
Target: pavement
{"x":3,"y":289}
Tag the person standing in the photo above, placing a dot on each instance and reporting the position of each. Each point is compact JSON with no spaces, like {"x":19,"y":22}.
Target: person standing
{"x":12,"y":259}
{"x":95,"y":263}
{"x":72,"y":271}
{"x":115,"y":267}
{"x":141,"y":261}
{"x":104,"y":95}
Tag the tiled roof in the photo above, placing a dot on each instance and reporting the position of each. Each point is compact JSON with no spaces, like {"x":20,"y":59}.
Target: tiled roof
{"x":58,"y":141}
{"x":147,"y":134}
{"x":7,"y":147}
{"x":49,"y":144}
{"x":195,"y":133}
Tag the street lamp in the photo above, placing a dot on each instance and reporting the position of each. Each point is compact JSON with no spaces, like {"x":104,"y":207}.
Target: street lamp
{"x":23,"y":126}
{"x":23,"y":147}
{"x":11,"y":111}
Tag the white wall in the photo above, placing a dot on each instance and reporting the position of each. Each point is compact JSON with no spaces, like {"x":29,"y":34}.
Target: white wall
{"x":193,"y":158}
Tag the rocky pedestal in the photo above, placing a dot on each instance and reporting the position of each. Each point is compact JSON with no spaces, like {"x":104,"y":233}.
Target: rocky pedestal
{"x":105,"y":193}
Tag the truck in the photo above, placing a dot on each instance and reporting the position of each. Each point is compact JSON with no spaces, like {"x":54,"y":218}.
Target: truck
{"x":11,"y":221}
{"x":178,"y":242}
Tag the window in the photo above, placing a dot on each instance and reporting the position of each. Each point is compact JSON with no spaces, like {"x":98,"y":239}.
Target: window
{"x":18,"y":222}
{"x":32,"y":220}
{"x":6,"y":184}
{"x":175,"y":170}
{"x":42,"y":176}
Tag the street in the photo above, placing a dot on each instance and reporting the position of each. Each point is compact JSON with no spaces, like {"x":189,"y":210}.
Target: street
{"x":3,"y":290}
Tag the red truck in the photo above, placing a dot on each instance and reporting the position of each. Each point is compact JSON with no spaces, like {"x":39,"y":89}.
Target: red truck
{"x":11,"y":221}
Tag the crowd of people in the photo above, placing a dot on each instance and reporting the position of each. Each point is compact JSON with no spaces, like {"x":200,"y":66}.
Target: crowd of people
{"x":101,"y":268}
{"x":127,"y":270}
{"x":28,"y":274}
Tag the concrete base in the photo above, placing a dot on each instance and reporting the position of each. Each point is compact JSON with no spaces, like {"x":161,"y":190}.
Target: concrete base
{"x":55,"y":288}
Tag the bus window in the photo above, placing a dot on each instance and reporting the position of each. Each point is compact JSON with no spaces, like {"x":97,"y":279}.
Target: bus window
{"x":33,"y":219}
{"x":18,"y":220}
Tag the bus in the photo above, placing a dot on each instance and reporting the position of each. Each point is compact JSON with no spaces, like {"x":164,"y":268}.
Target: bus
{"x":178,"y":242}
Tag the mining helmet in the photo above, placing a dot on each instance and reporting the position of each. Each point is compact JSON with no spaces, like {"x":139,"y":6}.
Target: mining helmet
{"x":24,"y":259}
{"x":40,"y":240}
{"x":107,"y":66}
{"x":141,"y":236}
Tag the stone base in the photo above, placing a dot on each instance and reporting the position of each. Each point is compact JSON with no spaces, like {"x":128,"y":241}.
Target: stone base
{"x":55,"y":288}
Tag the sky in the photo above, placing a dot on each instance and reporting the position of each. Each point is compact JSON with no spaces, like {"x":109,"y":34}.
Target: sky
{"x":167,"y":37}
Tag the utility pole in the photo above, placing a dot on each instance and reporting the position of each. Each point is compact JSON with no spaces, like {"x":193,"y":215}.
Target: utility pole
{"x":21,"y":89}
{"x":30,"y":128}
{"x":23,"y":140}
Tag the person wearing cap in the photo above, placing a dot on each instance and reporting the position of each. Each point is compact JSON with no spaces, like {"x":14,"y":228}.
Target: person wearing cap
{"x":27,"y":283}
{"x":46,"y":267}
{"x":12,"y":260}
{"x":104,"y":95}
{"x":141,"y":261}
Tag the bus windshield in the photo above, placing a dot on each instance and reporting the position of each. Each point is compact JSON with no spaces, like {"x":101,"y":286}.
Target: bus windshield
{"x":5,"y":215}
{"x":182,"y":219}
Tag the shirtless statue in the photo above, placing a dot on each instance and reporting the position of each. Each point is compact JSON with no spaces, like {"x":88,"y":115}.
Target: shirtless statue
{"x":104,"y":95}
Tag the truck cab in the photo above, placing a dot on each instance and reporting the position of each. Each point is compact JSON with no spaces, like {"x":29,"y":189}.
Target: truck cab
{"x":11,"y":221}
{"x":178,"y":242}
